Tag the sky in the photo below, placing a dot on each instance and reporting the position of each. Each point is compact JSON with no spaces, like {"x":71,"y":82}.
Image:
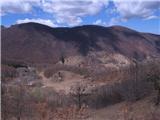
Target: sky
{"x":141,"y":15}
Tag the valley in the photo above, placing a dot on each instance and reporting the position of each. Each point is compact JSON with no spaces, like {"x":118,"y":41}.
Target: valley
{"x":82,"y":73}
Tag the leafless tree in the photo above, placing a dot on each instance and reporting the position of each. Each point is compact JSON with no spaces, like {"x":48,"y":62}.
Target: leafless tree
{"x":154,"y":77}
{"x":78,"y":93}
{"x":62,"y":59}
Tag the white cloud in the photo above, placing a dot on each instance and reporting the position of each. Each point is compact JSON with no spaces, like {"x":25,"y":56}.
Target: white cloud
{"x":113,"y":21}
{"x":68,"y":12}
{"x":152,"y":17}
{"x":72,"y":11}
{"x":97,"y":22}
{"x":100,"y":22}
{"x":18,"y":6}
{"x":38,"y":20}
{"x":129,"y":9}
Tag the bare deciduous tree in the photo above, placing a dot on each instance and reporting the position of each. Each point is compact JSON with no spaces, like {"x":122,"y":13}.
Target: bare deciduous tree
{"x":156,"y":81}
{"x":78,"y":92}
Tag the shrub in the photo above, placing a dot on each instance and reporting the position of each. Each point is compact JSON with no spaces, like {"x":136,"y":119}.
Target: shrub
{"x":8,"y":72}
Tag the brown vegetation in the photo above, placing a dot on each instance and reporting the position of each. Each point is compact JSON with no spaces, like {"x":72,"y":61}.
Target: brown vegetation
{"x":138,"y":81}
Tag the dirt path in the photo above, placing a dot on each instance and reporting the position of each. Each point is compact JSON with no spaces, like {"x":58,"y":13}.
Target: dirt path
{"x":65,"y":85}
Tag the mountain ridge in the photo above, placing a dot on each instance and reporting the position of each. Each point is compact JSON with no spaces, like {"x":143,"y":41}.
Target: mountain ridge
{"x":33,"y":42}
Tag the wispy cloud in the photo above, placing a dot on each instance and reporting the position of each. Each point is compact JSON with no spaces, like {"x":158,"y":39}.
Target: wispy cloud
{"x":68,"y":12}
{"x":38,"y":20}
{"x":18,"y":6}
{"x":129,"y":9}
{"x":100,"y":22}
{"x":72,"y":12}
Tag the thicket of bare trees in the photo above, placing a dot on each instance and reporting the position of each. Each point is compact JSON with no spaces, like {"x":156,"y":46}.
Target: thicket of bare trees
{"x":16,"y":102}
{"x":154,"y":78}
{"x":137,"y":81}
{"x":23,"y":102}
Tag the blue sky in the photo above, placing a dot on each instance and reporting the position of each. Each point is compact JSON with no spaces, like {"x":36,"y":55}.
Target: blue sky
{"x":141,"y":15}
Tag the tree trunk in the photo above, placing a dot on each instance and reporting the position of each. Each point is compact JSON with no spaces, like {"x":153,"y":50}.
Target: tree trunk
{"x":79,"y":101}
{"x":18,"y":118}
{"x":158,"y":97}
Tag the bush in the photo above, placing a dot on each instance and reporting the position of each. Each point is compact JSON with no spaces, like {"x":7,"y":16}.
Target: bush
{"x":8,"y":72}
